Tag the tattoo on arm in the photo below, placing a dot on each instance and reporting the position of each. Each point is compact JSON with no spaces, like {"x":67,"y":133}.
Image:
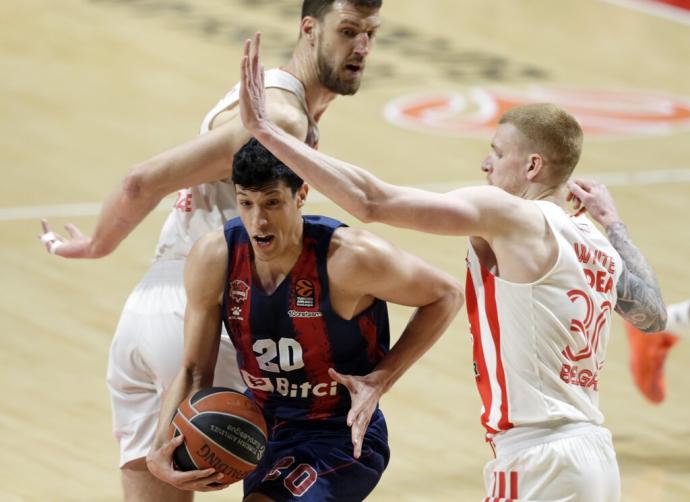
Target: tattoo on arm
{"x":639,"y":295}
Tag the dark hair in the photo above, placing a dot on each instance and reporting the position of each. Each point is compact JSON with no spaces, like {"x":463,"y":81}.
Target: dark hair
{"x":317,"y":8}
{"x":255,"y":168}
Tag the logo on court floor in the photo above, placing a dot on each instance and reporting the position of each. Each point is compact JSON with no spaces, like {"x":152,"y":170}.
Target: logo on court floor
{"x":476,"y":111}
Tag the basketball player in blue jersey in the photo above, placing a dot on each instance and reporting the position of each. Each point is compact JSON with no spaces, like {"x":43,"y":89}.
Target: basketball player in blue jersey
{"x":303,"y":299}
{"x":329,"y":59}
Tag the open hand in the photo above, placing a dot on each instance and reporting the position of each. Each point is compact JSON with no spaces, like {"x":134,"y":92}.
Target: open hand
{"x":594,"y":197}
{"x":365,"y":393}
{"x":252,"y":99}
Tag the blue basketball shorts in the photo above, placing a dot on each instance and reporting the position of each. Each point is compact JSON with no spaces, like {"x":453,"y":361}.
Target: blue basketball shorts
{"x":313,"y":462}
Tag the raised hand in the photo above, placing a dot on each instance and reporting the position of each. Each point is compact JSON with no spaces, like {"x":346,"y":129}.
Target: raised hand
{"x":365,"y":392}
{"x":252,"y":99}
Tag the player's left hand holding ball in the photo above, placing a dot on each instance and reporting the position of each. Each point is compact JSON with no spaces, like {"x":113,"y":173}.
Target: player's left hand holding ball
{"x":159,"y":462}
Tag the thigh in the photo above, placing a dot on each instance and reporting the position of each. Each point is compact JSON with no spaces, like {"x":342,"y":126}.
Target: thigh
{"x":145,"y":355}
{"x":318,"y":465}
{"x":577,"y":469}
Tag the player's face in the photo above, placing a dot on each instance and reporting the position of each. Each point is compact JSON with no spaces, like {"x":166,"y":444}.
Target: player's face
{"x":272,"y":217}
{"x":505,"y":166}
{"x":345,"y":38}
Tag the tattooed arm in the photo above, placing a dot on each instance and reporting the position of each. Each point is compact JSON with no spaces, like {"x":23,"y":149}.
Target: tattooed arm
{"x":639,"y":296}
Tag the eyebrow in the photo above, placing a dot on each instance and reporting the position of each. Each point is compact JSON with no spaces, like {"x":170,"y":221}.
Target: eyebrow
{"x":358,"y":23}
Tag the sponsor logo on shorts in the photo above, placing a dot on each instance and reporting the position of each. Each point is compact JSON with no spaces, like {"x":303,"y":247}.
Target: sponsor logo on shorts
{"x":601,"y":113}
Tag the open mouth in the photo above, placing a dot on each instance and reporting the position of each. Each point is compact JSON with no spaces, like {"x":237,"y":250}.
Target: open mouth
{"x":263,"y":241}
{"x":354,"y":68}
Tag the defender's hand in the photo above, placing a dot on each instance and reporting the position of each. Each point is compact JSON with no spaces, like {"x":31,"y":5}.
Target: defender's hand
{"x":252,"y":99}
{"x":592,"y":196}
{"x":77,"y":246}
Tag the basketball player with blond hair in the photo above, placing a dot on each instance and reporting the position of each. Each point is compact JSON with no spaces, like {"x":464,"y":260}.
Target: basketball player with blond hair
{"x":329,"y":58}
{"x":541,"y":288}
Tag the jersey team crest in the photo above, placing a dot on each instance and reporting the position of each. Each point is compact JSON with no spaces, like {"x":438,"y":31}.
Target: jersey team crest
{"x":601,"y":113}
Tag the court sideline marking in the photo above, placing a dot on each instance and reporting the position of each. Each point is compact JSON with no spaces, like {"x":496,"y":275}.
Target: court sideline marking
{"x":613,"y":179}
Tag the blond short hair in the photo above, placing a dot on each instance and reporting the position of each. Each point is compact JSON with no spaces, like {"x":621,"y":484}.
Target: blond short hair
{"x":552,"y":133}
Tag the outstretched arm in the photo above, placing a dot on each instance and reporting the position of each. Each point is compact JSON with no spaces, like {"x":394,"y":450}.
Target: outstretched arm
{"x":368,"y":266}
{"x":204,"y":278}
{"x":467,"y":211}
{"x":639,"y":296}
{"x":206,"y":158}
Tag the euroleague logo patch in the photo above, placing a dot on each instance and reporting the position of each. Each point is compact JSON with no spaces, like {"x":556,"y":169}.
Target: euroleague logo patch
{"x":600,"y":113}
{"x":304,"y":293}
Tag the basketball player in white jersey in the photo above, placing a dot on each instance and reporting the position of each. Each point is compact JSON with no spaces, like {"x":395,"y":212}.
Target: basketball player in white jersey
{"x":648,"y":351}
{"x":329,"y":59}
{"x":541,"y":288}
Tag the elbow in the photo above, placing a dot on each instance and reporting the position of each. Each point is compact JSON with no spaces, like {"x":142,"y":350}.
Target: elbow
{"x":453,"y":298}
{"x":657,"y":324}
{"x":133,"y":184}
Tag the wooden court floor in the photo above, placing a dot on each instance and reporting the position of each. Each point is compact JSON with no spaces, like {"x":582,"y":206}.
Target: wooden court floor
{"x":90,"y":87}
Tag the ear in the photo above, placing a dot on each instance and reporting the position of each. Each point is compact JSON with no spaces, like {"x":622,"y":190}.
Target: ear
{"x":302,"y":195}
{"x":535,"y":164}
{"x":308,"y":29}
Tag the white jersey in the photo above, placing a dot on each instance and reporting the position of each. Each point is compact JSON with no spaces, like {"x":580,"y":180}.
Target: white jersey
{"x":205,"y":208}
{"x":539,"y":348}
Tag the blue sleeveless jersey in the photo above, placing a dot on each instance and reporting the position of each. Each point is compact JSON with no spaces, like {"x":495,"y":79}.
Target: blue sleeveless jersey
{"x":286,"y":341}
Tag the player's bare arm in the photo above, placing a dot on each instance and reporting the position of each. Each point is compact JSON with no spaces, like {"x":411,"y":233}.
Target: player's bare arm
{"x":639,"y":296}
{"x":204,"y":277}
{"x":362,"y":267}
{"x":205,"y":158}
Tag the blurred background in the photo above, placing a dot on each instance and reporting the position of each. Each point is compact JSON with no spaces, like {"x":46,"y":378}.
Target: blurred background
{"x":91,"y":87}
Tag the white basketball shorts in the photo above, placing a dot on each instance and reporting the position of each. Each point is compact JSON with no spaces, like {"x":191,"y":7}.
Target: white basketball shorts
{"x":146,"y":355}
{"x":573,"y":463}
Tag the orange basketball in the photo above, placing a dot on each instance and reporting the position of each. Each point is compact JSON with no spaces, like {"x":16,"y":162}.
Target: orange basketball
{"x":222,"y":429}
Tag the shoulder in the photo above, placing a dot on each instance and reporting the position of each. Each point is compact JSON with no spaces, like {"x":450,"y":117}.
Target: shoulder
{"x":285,"y":109}
{"x":210,"y":250}
{"x":354,"y":250}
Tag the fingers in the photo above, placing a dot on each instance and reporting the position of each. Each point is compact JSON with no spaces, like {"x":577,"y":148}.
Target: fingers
{"x":45,"y":226}
{"x":578,"y":191}
{"x":359,"y":429}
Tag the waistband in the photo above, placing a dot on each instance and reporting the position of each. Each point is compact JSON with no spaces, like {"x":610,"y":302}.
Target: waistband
{"x":520,"y":438}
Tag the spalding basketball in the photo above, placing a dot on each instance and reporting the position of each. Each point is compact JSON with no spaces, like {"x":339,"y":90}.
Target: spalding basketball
{"x":223,"y":429}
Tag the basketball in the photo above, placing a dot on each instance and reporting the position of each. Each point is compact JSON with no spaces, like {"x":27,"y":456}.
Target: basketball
{"x":222,"y":429}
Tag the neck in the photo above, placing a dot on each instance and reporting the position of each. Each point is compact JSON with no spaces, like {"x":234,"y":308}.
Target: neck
{"x":303,"y":66}
{"x":271,"y":272}
{"x":556,"y":194}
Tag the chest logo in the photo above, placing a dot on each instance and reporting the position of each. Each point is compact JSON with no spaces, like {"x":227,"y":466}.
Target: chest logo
{"x":239,"y":291}
{"x":304,"y":293}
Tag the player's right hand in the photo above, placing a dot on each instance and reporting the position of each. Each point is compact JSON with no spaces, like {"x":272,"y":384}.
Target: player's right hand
{"x":77,"y":246}
{"x":159,"y":463}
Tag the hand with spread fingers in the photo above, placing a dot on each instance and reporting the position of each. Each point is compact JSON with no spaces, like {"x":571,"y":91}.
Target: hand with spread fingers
{"x":365,"y":392}
{"x":77,"y":246}
{"x":252,"y":98}
{"x":159,"y":463}
{"x":594,"y":197}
